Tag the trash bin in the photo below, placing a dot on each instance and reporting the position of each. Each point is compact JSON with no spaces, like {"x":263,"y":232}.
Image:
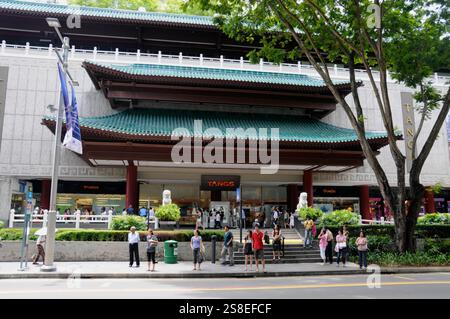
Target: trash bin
{"x":170,"y":251}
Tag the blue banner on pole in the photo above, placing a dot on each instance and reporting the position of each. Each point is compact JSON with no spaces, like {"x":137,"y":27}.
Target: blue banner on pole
{"x":72,"y":139}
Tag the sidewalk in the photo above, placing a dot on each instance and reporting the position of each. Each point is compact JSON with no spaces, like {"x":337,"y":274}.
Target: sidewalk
{"x":9,"y":270}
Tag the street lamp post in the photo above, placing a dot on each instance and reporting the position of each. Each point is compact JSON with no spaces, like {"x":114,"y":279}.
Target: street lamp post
{"x":51,"y":220}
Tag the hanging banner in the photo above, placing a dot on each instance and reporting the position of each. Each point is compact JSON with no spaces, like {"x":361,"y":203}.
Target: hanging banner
{"x":72,"y":139}
{"x":409,"y":126}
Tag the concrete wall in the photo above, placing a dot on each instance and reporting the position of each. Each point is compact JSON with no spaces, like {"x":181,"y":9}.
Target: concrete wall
{"x":100,"y":251}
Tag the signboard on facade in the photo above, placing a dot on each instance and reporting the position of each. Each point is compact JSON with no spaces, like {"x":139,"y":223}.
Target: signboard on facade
{"x":409,"y":126}
{"x":220,"y":182}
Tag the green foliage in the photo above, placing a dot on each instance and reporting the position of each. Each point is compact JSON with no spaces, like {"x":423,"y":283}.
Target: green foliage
{"x":2,"y":224}
{"x":437,"y":246}
{"x":15,"y":233}
{"x":434,"y":218}
{"x":437,"y":188}
{"x":170,"y":212}
{"x":313,"y":213}
{"x":339,"y":218}
{"x":406,"y":259}
{"x":433,"y":231}
{"x":127,"y":221}
{"x":375,"y":244}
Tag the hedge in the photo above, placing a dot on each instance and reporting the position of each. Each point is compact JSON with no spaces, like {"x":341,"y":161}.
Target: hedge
{"x":111,"y":235}
{"x":406,"y":259}
{"x":2,"y":224}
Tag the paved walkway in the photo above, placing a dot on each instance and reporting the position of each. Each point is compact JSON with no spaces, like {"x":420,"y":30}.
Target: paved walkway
{"x":184,"y":270}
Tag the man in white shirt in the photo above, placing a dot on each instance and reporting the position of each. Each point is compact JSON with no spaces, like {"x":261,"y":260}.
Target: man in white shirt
{"x":133,"y":243}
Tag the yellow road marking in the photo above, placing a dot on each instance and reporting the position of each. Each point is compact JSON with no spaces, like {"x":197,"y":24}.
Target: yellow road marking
{"x":310,"y":286}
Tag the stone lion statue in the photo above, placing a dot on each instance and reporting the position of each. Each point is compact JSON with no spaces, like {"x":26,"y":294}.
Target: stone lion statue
{"x":302,"y":201}
{"x":167,"y":199}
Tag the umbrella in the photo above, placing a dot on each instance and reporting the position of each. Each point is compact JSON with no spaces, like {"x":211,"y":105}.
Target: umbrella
{"x":43,"y":231}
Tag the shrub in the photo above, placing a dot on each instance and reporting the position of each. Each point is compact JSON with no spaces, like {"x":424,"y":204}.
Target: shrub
{"x":374,"y":230}
{"x":2,"y":224}
{"x":376,"y":244}
{"x":15,"y":234}
{"x":340,"y":218}
{"x":435,"y":218}
{"x":433,"y":231}
{"x":438,"y":246}
{"x":407,"y":259}
{"x":127,"y":221}
{"x":313,"y":213}
{"x":169,"y":212}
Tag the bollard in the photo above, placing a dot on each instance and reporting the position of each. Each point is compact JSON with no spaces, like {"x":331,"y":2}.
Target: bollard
{"x":213,"y":248}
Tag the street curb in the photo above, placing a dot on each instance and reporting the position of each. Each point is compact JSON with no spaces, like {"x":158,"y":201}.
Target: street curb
{"x":192,"y":275}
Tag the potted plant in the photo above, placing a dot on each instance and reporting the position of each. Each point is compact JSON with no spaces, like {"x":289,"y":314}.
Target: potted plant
{"x":168,"y":215}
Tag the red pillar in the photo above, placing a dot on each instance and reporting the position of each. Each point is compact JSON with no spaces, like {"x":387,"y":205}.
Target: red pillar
{"x":429,"y":201}
{"x":45,"y":193}
{"x":292,"y":197}
{"x":308,"y":186}
{"x":131,"y":197}
{"x":364,"y":206}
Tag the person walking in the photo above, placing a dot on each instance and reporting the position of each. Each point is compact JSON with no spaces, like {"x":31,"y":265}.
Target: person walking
{"x":143,"y":212}
{"x":286,"y":219}
{"x":291,"y":221}
{"x":341,"y":247}
{"x":196,"y":246}
{"x":361,"y":242}
{"x":40,"y":249}
{"x":323,"y":244}
{"x":217,"y":219}
{"x":329,"y":249}
{"x":152,"y":243}
{"x":133,"y":244}
{"x":199,"y":222}
{"x":276,"y":242}
{"x":248,"y":250}
{"x":308,"y":224}
{"x":227,"y":247}
{"x":258,"y":248}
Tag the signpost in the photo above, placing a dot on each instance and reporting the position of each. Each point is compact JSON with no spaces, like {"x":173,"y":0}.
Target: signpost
{"x":26,"y":231}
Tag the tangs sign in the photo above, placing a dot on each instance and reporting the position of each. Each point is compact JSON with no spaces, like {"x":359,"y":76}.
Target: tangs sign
{"x":220,"y":182}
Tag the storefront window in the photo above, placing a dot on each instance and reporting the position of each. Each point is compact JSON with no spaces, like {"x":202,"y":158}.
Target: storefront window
{"x":251,"y":195}
{"x":329,"y":204}
{"x":274,"y":194}
{"x":151,"y":194}
{"x":93,"y":203}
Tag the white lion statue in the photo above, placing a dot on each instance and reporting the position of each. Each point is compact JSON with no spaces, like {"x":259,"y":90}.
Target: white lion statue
{"x":302,"y":201}
{"x":167,"y":198}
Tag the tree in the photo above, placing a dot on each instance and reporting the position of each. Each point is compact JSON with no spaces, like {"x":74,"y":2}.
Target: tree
{"x":407,"y":38}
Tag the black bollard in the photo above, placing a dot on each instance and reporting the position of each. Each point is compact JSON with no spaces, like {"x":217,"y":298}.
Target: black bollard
{"x":213,"y":248}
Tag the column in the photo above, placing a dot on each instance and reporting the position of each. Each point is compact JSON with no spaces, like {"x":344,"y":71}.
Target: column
{"x":308,"y":186}
{"x":429,"y":201}
{"x":45,"y":193}
{"x":364,"y":206}
{"x":292,"y":197}
{"x":132,"y":188}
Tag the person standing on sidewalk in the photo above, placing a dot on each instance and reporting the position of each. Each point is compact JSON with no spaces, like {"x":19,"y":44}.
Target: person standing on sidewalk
{"x":258,"y":248}
{"x":248,"y":250}
{"x":276,"y":242}
{"x":308,"y":224}
{"x":196,"y":246}
{"x":361,"y":242}
{"x":323,"y":244}
{"x":227,"y":247}
{"x":329,"y":249}
{"x":341,"y":247}
{"x":40,"y":249}
{"x":152,"y":242}
{"x":133,"y":244}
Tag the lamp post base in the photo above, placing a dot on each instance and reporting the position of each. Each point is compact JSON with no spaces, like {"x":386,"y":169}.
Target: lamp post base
{"x":48,"y":268}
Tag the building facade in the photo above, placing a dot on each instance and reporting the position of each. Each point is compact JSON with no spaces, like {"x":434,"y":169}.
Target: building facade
{"x":131,"y":99}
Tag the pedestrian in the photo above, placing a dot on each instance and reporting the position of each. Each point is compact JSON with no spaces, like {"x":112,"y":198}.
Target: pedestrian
{"x":152,"y":243}
{"x":323,"y":244}
{"x":133,"y":244}
{"x":130,"y":210}
{"x":292,"y":221}
{"x":40,"y":249}
{"x":258,"y":248}
{"x":217,"y":218}
{"x":347,"y":236}
{"x":199,"y":222}
{"x":361,"y":242}
{"x":248,"y":250}
{"x":341,"y":247}
{"x":124,"y":211}
{"x":197,"y":246}
{"x":329,"y":249}
{"x":275,"y":216}
{"x":143,"y":212}
{"x":276,"y":243}
{"x":286,"y":219}
{"x":227,"y":247}
{"x":308,"y":224}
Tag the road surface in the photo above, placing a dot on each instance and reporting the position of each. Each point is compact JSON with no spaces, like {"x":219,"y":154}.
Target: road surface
{"x":431,"y":285}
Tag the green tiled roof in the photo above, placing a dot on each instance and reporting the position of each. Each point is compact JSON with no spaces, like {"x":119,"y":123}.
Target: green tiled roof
{"x":215,"y":74}
{"x":159,"y":122}
{"x":132,"y":15}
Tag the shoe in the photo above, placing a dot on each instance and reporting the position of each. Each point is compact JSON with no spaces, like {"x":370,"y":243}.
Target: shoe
{"x":35,"y":263}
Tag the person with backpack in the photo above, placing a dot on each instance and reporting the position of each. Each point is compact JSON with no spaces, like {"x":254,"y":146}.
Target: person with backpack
{"x":152,"y":243}
{"x":227,"y":246}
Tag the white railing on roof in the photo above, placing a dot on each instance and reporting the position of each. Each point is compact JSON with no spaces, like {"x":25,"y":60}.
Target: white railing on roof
{"x":183,"y":60}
